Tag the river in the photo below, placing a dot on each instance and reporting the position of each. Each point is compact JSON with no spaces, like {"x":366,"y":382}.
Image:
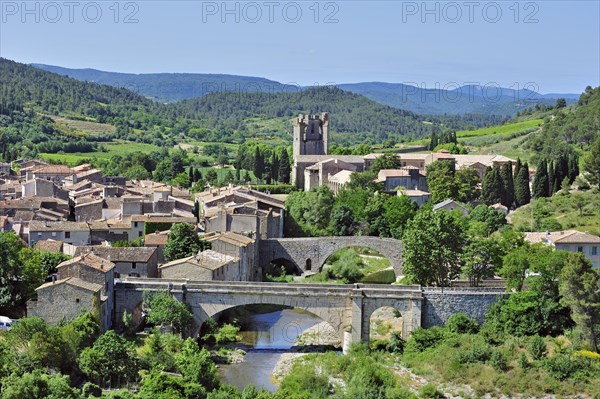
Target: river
{"x":269,"y":335}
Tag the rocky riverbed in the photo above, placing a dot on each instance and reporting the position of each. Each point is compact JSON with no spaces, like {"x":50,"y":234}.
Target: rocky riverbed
{"x":321,"y":336}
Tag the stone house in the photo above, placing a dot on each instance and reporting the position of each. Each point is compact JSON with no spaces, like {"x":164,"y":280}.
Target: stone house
{"x":64,"y":300}
{"x":88,"y":210}
{"x":339,"y":180}
{"x":55,"y":173}
{"x":93,"y":269}
{"x":205,"y":266}
{"x":451,"y":205}
{"x":318,"y":174}
{"x":570,"y":240}
{"x":74,"y":233}
{"x":410,"y":178}
{"x":241,"y":247}
{"x":129,"y":261}
{"x":244,"y":219}
{"x":418,"y":196}
{"x":157,"y":240}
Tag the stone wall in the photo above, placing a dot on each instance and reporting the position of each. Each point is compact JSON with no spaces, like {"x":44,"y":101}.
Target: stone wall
{"x":441,"y":303}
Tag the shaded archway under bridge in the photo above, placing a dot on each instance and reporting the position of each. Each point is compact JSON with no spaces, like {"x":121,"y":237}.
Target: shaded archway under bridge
{"x":309,"y":254}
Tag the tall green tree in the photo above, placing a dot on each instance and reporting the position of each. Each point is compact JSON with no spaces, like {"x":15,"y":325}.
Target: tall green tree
{"x":441,"y":182}
{"x":274,"y":167}
{"x":541,"y":184}
{"x":259,"y":163}
{"x":167,"y":311}
{"x":342,"y":221}
{"x":580,"y":290}
{"x":522,"y":190}
{"x":466,"y":182}
{"x":433,"y":244}
{"x":183,"y":241}
{"x":10,"y":272}
{"x":591,"y":163}
{"x":492,"y":186}
{"x":481,"y":259}
{"x":388,"y":160}
{"x":285,"y":169}
{"x":112,"y":359}
{"x":508,"y":185}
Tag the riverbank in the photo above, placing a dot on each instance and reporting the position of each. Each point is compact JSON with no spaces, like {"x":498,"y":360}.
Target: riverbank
{"x":319,"y":337}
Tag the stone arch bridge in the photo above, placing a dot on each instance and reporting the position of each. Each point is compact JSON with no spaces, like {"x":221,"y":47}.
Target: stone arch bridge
{"x":309,"y":254}
{"x":347,"y":308}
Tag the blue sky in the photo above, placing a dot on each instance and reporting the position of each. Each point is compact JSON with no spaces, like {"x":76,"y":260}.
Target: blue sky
{"x":553,"y":46}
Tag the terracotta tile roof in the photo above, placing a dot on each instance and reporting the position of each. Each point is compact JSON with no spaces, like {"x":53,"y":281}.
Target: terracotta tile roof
{"x":578,"y":237}
{"x":156,"y":238}
{"x":54,"y":170}
{"x":49,"y":245}
{"x":58,"y":226}
{"x":119,"y":254}
{"x":208,"y":259}
{"x":73,"y":281}
{"x":91,"y":260}
{"x":230,"y":237}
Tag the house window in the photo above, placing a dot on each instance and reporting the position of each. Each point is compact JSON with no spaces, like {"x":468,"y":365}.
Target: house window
{"x":140,"y":233}
{"x":133,"y":265}
{"x":308,"y":264}
{"x":54,"y":234}
{"x":594,"y":250}
{"x":135,"y":224}
{"x":580,"y":249}
{"x":39,"y":234}
{"x":67,"y":234}
{"x":77,"y":300}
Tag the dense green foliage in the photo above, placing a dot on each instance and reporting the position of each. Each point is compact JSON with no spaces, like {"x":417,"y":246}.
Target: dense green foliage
{"x":166,"y":311}
{"x":183,"y":241}
{"x":22,"y":270}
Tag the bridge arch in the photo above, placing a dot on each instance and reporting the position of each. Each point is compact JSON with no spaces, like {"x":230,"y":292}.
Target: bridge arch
{"x":335,"y":312}
{"x":290,"y":330}
{"x":309,"y":254}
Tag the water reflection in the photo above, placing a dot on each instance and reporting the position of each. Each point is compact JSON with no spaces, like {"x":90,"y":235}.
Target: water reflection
{"x":269,"y":335}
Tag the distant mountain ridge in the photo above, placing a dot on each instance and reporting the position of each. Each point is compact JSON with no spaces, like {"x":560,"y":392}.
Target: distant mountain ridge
{"x":169,"y":87}
{"x":468,"y":99}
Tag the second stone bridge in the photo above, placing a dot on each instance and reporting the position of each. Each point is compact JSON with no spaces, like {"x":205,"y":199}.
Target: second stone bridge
{"x":309,"y":254}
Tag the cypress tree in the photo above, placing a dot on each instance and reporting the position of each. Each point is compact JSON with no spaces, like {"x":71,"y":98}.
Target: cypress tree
{"x":540,"y":182}
{"x":551,"y":179}
{"x":573,"y":165}
{"x":197,"y":175}
{"x":522,"y":191}
{"x":508,"y":185}
{"x":284,"y":167}
{"x":518,"y":167}
{"x":274,"y":167}
{"x":191,"y":174}
{"x":491,"y":191}
{"x":433,"y":142}
{"x":259,"y":163}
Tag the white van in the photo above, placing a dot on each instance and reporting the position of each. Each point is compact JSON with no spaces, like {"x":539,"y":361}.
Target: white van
{"x":5,"y":323}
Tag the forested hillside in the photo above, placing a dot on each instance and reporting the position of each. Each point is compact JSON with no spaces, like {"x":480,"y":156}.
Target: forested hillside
{"x":351,"y":113}
{"x":469,"y":99}
{"x":37,"y":107}
{"x":569,"y":128}
{"x":169,"y":87}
